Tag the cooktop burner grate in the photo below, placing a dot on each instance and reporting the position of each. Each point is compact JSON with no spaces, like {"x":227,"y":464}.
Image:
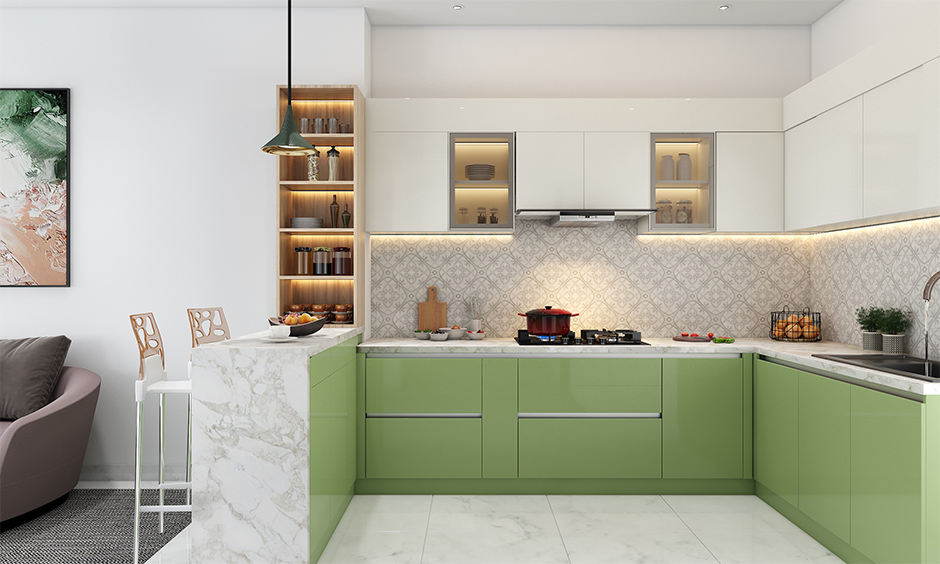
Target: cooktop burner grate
{"x":588,"y":337}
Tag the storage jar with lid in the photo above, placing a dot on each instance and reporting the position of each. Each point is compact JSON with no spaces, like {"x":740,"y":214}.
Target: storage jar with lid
{"x":663,"y":210}
{"x":302,"y":261}
{"x":322,"y":264}
{"x":684,"y":167}
{"x":342,"y":261}
{"x":684,"y":211}
{"x":667,"y":168}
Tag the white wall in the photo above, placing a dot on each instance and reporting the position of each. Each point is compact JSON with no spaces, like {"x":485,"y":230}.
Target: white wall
{"x":172,"y":200}
{"x":854,"y":25}
{"x":589,"y":61}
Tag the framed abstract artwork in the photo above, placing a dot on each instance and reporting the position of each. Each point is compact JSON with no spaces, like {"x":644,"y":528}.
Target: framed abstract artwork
{"x":34,"y":196}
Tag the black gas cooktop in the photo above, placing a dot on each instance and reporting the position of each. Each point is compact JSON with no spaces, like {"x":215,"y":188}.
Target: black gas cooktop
{"x":588,"y":337}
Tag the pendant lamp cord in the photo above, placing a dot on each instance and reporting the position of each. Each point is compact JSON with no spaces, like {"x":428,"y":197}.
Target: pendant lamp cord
{"x":288,"y":53}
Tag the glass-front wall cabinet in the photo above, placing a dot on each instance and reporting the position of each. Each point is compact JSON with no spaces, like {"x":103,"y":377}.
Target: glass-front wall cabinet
{"x":481,"y":181}
{"x":683,"y":191}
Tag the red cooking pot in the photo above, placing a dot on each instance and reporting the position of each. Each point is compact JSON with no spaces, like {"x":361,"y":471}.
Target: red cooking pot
{"x":548,"y":321}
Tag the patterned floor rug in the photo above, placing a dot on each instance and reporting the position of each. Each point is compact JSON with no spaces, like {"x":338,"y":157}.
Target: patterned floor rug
{"x":91,"y":527}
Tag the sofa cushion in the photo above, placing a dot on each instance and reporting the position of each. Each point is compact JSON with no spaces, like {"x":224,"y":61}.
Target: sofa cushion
{"x":29,"y":370}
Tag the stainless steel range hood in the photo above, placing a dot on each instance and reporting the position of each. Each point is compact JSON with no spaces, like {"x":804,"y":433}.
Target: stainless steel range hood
{"x":582,"y":218}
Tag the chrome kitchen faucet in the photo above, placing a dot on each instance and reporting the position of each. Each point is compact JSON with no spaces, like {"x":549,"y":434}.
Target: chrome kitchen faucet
{"x":928,"y":289}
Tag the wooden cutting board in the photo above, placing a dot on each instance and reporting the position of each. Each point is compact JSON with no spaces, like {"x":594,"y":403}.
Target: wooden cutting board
{"x":432,"y":314}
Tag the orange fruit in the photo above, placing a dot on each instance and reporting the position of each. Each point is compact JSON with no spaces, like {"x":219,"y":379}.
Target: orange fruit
{"x":806,"y":320}
{"x":794,"y":331}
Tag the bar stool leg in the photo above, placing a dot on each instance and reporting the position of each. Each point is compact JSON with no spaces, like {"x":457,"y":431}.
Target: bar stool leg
{"x":161,"y":423}
{"x":140,"y":411}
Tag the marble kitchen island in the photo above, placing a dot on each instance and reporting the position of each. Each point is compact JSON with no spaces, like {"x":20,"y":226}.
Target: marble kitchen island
{"x":252,"y":466}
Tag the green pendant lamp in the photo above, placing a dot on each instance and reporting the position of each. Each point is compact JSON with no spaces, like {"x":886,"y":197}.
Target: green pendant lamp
{"x":289,"y":141}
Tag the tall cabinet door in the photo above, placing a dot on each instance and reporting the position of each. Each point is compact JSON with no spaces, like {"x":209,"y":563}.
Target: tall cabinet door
{"x":616,"y":170}
{"x":824,"y":452}
{"x":823,"y":168}
{"x":549,"y":170}
{"x":902,"y":141}
{"x":749,"y":181}
{"x":776,"y":429}
{"x":407,"y":182}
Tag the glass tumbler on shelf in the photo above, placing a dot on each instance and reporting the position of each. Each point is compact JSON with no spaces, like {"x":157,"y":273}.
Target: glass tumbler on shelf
{"x":332,"y":157}
{"x":481,"y":215}
{"x":463,"y":215}
{"x":302,"y":261}
{"x":494,"y":215}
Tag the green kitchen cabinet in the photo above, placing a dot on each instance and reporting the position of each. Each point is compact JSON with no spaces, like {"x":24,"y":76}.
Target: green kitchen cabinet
{"x":590,"y":385}
{"x":424,"y":447}
{"x":320,"y":470}
{"x":590,"y":448}
{"x":703,"y":418}
{"x":776,"y":429}
{"x":824,"y":439}
{"x":419,"y":385}
{"x":500,"y":434}
{"x":887,"y":479}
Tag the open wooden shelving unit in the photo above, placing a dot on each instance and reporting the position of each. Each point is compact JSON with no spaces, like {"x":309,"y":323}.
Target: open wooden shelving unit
{"x":299,"y":197}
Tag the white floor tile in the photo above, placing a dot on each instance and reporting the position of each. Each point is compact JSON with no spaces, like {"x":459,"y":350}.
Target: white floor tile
{"x":490,"y":504}
{"x":766,"y":547}
{"x":626,"y":522}
{"x":502,"y":547}
{"x":517,"y":523}
{"x":386,"y":513}
{"x":613,"y":547}
{"x":715,"y":503}
{"x":391,"y":503}
{"x":373,"y":547}
{"x":724,"y":522}
{"x":177,"y":551}
{"x":608,"y":504}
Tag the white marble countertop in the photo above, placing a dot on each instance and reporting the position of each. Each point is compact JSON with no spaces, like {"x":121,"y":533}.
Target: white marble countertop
{"x":328,"y":336}
{"x":798,"y":353}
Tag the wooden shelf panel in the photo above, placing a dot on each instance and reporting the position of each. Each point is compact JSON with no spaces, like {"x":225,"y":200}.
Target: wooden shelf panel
{"x":318,"y":185}
{"x":681,"y":183}
{"x":316,"y":231}
{"x":316,"y":278}
{"x":321,"y":140}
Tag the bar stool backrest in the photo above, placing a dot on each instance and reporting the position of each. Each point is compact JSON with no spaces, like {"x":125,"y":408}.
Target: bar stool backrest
{"x":208,"y":325}
{"x":150,"y":346}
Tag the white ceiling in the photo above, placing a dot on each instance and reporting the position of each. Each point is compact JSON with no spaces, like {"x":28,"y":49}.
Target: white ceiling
{"x":519,"y":12}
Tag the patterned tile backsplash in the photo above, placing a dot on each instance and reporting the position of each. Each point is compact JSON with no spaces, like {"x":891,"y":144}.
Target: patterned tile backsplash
{"x":660,"y":285}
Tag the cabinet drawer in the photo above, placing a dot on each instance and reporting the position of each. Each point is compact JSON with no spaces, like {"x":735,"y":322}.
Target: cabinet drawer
{"x":424,"y":385}
{"x":424,"y":448}
{"x":590,"y":385}
{"x":590,"y":448}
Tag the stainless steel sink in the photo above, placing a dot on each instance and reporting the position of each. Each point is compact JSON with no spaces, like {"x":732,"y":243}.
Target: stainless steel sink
{"x":900,"y":364}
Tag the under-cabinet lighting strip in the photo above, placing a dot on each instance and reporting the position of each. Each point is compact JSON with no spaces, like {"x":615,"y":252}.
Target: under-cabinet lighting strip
{"x":551,"y":415}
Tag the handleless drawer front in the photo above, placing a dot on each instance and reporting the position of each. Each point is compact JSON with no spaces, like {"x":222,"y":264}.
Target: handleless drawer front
{"x":424,"y":448}
{"x":424,"y":386}
{"x":610,"y":386}
{"x":590,"y":448}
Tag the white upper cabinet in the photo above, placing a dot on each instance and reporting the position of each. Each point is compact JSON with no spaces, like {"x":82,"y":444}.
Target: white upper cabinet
{"x":902,"y":143}
{"x":749,"y":170}
{"x":616,"y":170}
{"x":582,"y":170}
{"x":549,"y":170}
{"x":407,"y":182}
{"x":823,"y":169}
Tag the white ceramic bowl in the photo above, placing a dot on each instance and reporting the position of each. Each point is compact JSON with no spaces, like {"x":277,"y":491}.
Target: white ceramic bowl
{"x":422,"y":336}
{"x":475,"y":336}
{"x":454,"y":334}
{"x":438,"y":336}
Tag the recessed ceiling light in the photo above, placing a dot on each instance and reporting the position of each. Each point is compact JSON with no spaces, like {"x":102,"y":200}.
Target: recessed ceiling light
{"x":724,"y":7}
{"x":457,"y":7}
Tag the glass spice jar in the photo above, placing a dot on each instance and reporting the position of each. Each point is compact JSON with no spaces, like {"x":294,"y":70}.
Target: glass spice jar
{"x":302,"y":260}
{"x":322,"y":264}
{"x":342,"y":261}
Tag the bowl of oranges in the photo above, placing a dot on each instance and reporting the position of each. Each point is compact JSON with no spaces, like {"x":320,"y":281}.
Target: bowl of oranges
{"x":796,"y":327}
{"x":301,"y":324}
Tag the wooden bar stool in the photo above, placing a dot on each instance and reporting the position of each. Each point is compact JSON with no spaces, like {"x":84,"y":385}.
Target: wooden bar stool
{"x":152,"y":380}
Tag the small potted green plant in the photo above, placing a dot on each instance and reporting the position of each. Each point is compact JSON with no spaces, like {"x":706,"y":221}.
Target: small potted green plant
{"x":869,"y":319}
{"x":894,"y":324}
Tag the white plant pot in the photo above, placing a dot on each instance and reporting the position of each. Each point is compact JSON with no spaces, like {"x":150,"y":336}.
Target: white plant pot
{"x":871,"y":341}
{"x":893,"y":344}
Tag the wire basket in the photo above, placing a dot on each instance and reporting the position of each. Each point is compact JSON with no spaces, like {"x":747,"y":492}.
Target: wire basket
{"x":798,"y":327}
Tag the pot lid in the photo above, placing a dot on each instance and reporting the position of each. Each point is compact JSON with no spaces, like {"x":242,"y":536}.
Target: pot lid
{"x":548,"y":310}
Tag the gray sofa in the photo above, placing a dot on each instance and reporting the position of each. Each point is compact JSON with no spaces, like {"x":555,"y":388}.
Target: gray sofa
{"x":41,"y":454}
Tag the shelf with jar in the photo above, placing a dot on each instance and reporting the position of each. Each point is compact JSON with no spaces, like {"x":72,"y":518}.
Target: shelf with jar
{"x":320,"y":219}
{"x":682,"y":190}
{"x":481,"y":173}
